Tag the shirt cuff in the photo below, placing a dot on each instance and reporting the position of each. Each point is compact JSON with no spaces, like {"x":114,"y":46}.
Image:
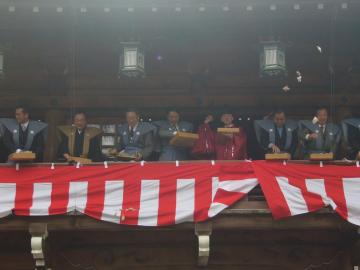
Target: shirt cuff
{"x":270,"y":145}
{"x":307,"y":136}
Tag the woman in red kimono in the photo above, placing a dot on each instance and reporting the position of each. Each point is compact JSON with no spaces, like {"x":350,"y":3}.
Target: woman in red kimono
{"x":220,"y":146}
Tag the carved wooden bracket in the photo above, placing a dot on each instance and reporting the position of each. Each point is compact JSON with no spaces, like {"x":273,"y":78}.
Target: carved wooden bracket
{"x":39,"y":233}
{"x":203,"y":232}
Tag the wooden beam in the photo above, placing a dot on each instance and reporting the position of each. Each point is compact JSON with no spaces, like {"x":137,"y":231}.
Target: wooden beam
{"x":191,"y":101}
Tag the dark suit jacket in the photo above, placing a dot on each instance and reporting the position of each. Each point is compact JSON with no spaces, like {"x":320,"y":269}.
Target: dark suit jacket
{"x":354,"y":141}
{"x":94,"y":147}
{"x":280,"y":141}
{"x":37,"y":146}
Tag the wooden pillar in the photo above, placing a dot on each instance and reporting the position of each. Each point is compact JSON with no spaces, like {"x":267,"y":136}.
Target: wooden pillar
{"x":53,"y":118}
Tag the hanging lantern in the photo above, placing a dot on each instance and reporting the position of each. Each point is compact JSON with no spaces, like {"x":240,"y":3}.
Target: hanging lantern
{"x":132,"y":60}
{"x":272,"y":59}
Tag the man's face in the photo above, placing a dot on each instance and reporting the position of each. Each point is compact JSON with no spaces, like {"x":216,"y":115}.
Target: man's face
{"x":21,"y":116}
{"x":322,"y":116}
{"x":173,"y":117}
{"x":132,"y":118}
{"x":279,"y":119}
{"x":227,"y":119}
{"x":80,"y":121}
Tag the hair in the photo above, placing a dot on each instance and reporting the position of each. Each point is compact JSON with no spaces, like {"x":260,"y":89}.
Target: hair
{"x":134,"y":110}
{"x":24,"y":108}
{"x":226,"y":111}
{"x":278,"y":111}
{"x":79,"y":112}
{"x":173,"y":110}
{"x":321,"y":109}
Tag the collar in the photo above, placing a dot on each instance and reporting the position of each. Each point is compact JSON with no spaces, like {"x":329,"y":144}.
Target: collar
{"x":134,"y":128}
{"x":176,"y":126}
{"x":25,"y":125}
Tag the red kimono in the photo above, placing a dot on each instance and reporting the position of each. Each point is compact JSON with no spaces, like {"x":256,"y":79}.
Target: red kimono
{"x":213,"y":145}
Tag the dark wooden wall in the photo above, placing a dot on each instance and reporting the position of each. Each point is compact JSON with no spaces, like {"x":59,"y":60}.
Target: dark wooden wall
{"x":240,"y":239}
{"x":61,"y":62}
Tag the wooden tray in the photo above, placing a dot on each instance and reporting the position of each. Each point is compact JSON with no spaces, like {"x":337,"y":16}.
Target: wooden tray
{"x":321,"y":156}
{"x":184,"y":139}
{"x":228,"y":130}
{"x":277,"y":156}
{"x":125,"y":157}
{"x":81,"y":160}
{"x":23,"y":156}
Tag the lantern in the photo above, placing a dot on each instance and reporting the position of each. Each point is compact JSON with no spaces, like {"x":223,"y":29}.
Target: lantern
{"x":272,"y":59}
{"x":132,"y":60}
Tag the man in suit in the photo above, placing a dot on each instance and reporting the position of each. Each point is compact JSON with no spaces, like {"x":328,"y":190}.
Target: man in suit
{"x":79,"y":140}
{"x":166,"y":131}
{"x":278,"y":134}
{"x":319,"y":136}
{"x":136,"y":138}
{"x":23,"y":134}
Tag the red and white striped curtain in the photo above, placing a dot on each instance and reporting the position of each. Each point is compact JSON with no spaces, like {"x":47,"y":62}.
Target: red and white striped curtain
{"x":158,"y":194}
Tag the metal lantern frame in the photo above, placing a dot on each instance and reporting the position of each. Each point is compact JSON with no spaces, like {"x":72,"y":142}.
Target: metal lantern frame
{"x":272,"y":59}
{"x":132,"y":59}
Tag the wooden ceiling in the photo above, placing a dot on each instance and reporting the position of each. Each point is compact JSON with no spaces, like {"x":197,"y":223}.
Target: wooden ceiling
{"x":63,"y":54}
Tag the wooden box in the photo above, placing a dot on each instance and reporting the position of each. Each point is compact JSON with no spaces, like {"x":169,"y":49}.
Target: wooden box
{"x":278,"y":156}
{"x":228,"y":130}
{"x":321,"y":156}
{"x":23,"y":156}
{"x":184,"y":139}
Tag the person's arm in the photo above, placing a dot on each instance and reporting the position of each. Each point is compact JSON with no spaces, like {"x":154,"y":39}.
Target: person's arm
{"x":8,"y":141}
{"x":306,"y":135}
{"x":148,"y":145}
{"x":335,"y":143}
{"x":38,"y":146}
{"x":264,"y":141}
{"x":354,"y":138}
{"x":63,"y":149}
{"x":240,"y":141}
{"x":166,"y":133}
{"x":120,"y":145}
{"x":294,"y":143}
{"x":95,"y":153}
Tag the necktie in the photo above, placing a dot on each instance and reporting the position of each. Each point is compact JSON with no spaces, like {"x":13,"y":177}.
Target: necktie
{"x":131,"y":132}
{"x":322,"y":129}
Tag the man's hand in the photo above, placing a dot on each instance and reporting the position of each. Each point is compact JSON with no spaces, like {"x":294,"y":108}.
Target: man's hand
{"x":275,"y":149}
{"x":312,"y":136}
{"x":67,"y":157}
{"x":138,"y":157}
{"x":208,"y":119}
